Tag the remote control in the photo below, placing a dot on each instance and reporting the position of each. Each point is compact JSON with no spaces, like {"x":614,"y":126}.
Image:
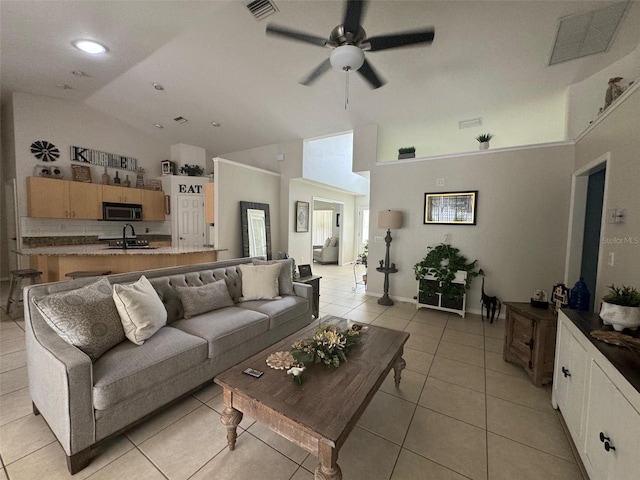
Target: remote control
{"x":253,"y":373}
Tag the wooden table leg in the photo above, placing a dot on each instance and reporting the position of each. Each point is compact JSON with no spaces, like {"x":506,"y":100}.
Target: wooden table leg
{"x":398,"y":366}
{"x":230,"y":418}
{"x":328,"y":468}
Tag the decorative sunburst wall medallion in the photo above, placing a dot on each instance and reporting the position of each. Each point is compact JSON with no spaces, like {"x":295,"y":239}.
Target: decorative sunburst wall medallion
{"x":45,"y":151}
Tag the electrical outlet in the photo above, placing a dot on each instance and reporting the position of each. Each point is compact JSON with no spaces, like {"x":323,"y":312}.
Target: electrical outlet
{"x":439,"y":182}
{"x":378,"y":239}
{"x":611,"y":260}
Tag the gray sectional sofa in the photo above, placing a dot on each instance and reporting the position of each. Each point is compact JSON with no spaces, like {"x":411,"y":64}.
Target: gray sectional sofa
{"x":85,"y":401}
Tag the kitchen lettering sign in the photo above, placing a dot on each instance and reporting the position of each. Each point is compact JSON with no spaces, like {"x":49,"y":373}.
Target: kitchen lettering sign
{"x":103,"y":159}
{"x":196,"y":189}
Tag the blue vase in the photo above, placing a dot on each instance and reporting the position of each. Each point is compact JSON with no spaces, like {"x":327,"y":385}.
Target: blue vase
{"x":579,"y":296}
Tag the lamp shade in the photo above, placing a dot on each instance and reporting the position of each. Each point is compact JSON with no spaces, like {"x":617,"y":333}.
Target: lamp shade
{"x":389,"y":219}
{"x":347,"y":57}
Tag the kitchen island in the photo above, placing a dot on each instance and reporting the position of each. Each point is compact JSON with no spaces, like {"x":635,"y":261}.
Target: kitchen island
{"x":56,"y":262}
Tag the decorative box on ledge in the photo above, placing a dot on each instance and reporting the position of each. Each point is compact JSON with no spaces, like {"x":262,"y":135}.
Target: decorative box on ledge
{"x":439,"y":301}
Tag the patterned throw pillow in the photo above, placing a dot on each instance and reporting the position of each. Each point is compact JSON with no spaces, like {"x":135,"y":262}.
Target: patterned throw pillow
{"x":205,"y":298}
{"x":285,"y":279}
{"x":86,"y":318}
{"x":259,"y":282}
{"x":141,"y":311}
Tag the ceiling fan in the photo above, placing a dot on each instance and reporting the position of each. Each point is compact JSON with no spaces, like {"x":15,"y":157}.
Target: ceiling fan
{"x":349,"y":41}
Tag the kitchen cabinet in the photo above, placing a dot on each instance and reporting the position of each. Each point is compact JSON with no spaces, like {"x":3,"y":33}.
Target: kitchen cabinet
{"x":53,"y":198}
{"x":530,"y":340}
{"x":152,"y":205}
{"x":209,"y":203}
{"x":114,"y":194}
{"x":596,"y":388}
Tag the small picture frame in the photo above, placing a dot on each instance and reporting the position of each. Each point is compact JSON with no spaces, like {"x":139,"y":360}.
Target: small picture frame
{"x":81,"y":173}
{"x":168,"y":167}
{"x":302,"y":216}
{"x":305,"y":270}
{"x":560,"y":296}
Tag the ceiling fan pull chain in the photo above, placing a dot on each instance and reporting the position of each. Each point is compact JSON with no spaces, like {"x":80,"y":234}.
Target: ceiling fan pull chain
{"x":346,"y":89}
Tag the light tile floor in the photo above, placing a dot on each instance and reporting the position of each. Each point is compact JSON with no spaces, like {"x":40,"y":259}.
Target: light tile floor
{"x":460,"y":412}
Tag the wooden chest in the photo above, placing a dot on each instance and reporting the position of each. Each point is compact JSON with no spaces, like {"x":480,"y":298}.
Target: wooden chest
{"x":530,"y":340}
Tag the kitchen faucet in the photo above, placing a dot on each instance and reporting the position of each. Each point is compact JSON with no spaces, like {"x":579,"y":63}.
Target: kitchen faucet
{"x":124,"y":234}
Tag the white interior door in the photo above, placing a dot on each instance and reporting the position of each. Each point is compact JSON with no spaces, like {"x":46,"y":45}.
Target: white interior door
{"x":190,"y":221}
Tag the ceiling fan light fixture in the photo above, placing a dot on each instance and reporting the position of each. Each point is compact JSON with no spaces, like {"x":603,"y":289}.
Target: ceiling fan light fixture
{"x":347,"y":57}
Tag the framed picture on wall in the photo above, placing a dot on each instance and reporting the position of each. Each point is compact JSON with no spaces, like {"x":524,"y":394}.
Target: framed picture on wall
{"x":302,"y":216}
{"x":452,"y":208}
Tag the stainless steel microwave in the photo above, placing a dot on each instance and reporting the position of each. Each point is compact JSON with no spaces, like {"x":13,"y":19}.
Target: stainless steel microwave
{"x":128,"y":212}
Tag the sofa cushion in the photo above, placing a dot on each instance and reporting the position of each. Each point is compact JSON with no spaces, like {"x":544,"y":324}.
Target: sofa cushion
{"x":86,"y":317}
{"x":327,"y":242}
{"x":141,"y":311}
{"x":226,"y":328}
{"x":205,"y":298}
{"x":259,"y":282}
{"x":285,"y":279}
{"x":282,"y":311}
{"x":128,"y":369}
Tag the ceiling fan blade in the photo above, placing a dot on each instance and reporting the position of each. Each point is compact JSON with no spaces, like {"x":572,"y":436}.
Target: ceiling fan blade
{"x":319,"y":70}
{"x":370,"y":75}
{"x":353,"y":15}
{"x":396,"y":40}
{"x":277,"y":30}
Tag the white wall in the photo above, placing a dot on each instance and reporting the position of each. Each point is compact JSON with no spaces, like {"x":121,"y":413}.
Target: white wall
{"x":617,"y":133}
{"x":66,"y":123}
{"x":587,"y":97}
{"x":329,"y":160}
{"x":522,"y":212}
{"x":236,"y":182}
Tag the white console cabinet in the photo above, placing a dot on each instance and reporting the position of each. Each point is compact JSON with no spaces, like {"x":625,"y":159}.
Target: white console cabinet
{"x":599,"y":405}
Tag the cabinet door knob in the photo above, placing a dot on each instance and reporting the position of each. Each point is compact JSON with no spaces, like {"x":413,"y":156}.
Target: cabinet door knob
{"x":603,"y":437}
{"x":608,"y":447}
{"x":566,"y":373}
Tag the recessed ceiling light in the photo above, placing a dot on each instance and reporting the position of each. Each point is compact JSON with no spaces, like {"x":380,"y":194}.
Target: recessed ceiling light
{"x":157,"y":86}
{"x":216,"y":124}
{"x":157,"y":125}
{"x":90,"y":46}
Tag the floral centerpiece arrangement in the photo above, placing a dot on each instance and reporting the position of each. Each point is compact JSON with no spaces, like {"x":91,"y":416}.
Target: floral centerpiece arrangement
{"x":329,"y":345}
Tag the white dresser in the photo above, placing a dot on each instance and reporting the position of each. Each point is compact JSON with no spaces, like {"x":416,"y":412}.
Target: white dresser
{"x":596,"y":386}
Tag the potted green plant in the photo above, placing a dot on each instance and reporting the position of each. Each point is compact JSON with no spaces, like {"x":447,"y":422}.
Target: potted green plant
{"x":191,"y":170}
{"x":363,"y":256}
{"x":484,"y":139}
{"x":406,"y":152}
{"x":621,"y":308}
{"x":444,"y":271}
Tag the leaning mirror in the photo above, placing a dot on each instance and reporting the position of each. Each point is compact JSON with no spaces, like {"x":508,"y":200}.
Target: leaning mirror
{"x":256,"y":230}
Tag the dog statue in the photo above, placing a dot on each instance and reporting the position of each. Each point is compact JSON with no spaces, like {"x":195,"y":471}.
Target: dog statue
{"x":491,"y":304}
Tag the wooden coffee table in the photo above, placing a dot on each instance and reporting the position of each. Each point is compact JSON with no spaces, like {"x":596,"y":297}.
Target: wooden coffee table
{"x":320,"y":414}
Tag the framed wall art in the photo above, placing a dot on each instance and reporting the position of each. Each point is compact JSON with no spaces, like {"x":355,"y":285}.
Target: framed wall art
{"x":305,"y":270}
{"x":451,"y":208}
{"x":81,"y":173}
{"x":302,"y":216}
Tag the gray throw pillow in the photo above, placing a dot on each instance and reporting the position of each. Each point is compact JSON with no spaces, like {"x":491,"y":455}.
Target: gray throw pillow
{"x":205,"y":298}
{"x":285,"y":279}
{"x":86,"y":318}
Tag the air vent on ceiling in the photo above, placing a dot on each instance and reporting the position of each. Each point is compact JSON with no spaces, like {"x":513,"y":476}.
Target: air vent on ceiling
{"x":181,"y":120}
{"x":261,"y":9}
{"x":587,"y":33}
{"x":474,"y":122}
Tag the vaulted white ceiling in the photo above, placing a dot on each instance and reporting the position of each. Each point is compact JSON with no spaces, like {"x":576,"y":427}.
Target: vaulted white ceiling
{"x":488,"y":59}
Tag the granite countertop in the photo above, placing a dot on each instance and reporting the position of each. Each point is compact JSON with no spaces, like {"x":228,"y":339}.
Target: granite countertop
{"x":102,"y":250}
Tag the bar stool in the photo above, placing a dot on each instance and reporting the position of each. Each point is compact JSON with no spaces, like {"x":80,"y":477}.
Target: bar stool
{"x":84,"y":274}
{"x":15,"y":288}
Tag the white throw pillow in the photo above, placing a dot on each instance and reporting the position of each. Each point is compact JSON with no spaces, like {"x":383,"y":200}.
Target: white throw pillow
{"x":333,"y":242}
{"x":285,"y":279}
{"x":327,"y":242}
{"x":141,"y":311}
{"x":260,"y":282}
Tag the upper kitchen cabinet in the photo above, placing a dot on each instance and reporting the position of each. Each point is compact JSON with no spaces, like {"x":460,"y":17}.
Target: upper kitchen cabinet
{"x":115,"y":194}
{"x":152,"y":205}
{"x":53,"y":198}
